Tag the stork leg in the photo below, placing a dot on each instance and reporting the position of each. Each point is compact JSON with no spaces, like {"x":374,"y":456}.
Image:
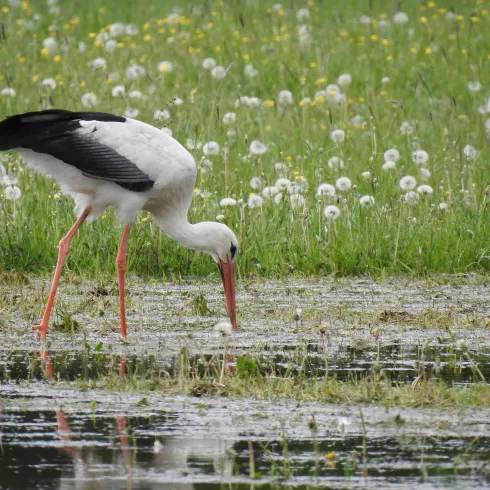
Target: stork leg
{"x":63,"y":249}
{"x":121,"y":269}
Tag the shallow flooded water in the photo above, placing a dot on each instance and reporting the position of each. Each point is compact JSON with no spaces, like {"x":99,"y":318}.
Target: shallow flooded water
{"x":87,"y":411}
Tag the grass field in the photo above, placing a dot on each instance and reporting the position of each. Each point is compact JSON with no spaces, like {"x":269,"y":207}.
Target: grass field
{"x":416,"y":82}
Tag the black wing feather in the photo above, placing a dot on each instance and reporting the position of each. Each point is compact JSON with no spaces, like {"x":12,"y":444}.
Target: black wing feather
{"x":52,"y":132}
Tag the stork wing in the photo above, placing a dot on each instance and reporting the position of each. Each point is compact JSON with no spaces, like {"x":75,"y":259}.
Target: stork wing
{"x":59,"y":134}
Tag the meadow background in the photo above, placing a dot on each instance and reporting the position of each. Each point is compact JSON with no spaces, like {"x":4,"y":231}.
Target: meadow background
{"x":415,"y":82}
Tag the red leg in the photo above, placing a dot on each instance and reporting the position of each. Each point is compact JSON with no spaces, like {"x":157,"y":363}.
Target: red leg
{"x":63,"y":249}
{"x":121,"y":269}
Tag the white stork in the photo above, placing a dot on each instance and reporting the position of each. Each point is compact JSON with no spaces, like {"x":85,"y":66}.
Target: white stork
{"x":104,"y":160}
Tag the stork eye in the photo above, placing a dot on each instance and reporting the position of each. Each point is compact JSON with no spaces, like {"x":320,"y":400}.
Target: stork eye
{"x":233,"y":251}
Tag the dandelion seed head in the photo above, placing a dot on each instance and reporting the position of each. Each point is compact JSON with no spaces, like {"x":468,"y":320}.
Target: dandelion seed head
{"x":331,"y":212}
{"x":389,"y":165}
{"x":406,"y":127}
{"x":227,"y":202}
{"x":229,"y":118}
{"x":297,"y":200}
{"x":474,"y":86}
{"x":335,"y":163}
{"x":411,"y":197}
{"x":210,"y":148}
{"x":209,"y":63}
{"x":132,"y":112}
{"x":442,"y":206}
{"x":302,"y":14}
{"x":89,"y":99}
{"x":366,"y":201}
{"x":343,"y":184}
{"x":255,"y":183}
{"x":98,"y":64}
{"x":223,"y":328}
{"x":392,"y":155}
{"x":470,"y":152}
{"x":8,"y":92}
{"x":400,"y":18}
{"x":283,"y":184}
{"x":420,"y":157}
{"x":408,"y":183}
{"x":118,"y":90}
{"x":325,"y":189}
{"x":344,"y":80}
{"x":257,"y":147}
{"x":167,"y":131}
{"x":135,"y":71}
{"x":49,"y":83}
{"x":218,"y":72}
{"x":425,"y":189}
{"x":250,"y":71}
{"x":161,"y":115}
{"x":285,"y":97}
{"x":131,"y":30}
{"x":51,"y":44}
{"x":255,"y":201}
{"x":268,"y":192}
{"x":337,"y":136}
{"x":366,"y":175}
{"x":12,"y":192}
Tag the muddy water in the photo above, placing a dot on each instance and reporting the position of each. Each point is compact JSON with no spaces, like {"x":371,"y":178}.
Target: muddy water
{"x":58,"y":433}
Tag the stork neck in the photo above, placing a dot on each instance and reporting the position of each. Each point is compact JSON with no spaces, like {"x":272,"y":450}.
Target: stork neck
{"x":188,"y":235}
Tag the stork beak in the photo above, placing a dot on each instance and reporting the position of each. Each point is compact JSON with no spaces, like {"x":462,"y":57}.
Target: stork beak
{"x":227,"y":270}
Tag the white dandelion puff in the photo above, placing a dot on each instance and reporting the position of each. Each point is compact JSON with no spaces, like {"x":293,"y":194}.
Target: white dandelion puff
{"x":49,"y":83}
{"x":227,"y":202}
{"x":442,"y":206}
{"x":283,"y":184}
{"x":8,"y":92}
{"x":344,"y":80}
{"x":229,"y":118}
{"x":166,"y":131}
{"x":337,"y":136}
{"x":269,"y":192}
{"x":254,"y":201}
{"x":420,"y":157}
{"x":257,"y":147}
{"x":325,"y":189}
{"x":223,"y":328}
{"x":284,"y":97}
{"x":132,"y":112}
{"x":117,"y":29}
{"x":98,"y":64}
{"x":424,"y":173}
{"x":210,"y":148}
{"x":8,"y":179}
{"x":389,"y":165}
{"x":400,"y":18}
{"x":135,"y":94}
{"x":209,"y":63}
{"x":335,"y":163}
{"x":132,"y":30}
{"x":255,"y":183}
{"x":135,"y":71}
{"x":366,"y":201}
{"x":12,"y":192}
{"x":406,"y":127}
{"x":392,"y":155}
{"x":343,"y":184}
{"x":470,"y":152}
{"x":250,"y":71}
{"x":411,"y":197}
{"x":331,"y":212}
{"x":161,"y":115}
{"x":474,"y":86}
{"x":118,"y":90}
{"x":89,"y":99}
{"x":218,"y":72}
{"x":302,"y":14}
{"x":51,"y":44}
{"x":297,"y":200}
{"x":408,"y":183}
{"x":425,"y":189}
{"x":366,"y":175}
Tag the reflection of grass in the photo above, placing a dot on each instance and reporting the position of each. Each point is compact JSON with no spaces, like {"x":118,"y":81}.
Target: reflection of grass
{"x":428,"y":73}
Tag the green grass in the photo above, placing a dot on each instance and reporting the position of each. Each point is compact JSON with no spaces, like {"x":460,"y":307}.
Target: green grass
{"x":428,"y":75}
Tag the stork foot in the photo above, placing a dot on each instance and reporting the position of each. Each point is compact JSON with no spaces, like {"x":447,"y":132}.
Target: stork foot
{"x":41,"y":331}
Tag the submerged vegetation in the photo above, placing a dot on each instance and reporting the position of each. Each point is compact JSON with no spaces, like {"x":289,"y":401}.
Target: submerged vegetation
{"x":332,"y":137}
